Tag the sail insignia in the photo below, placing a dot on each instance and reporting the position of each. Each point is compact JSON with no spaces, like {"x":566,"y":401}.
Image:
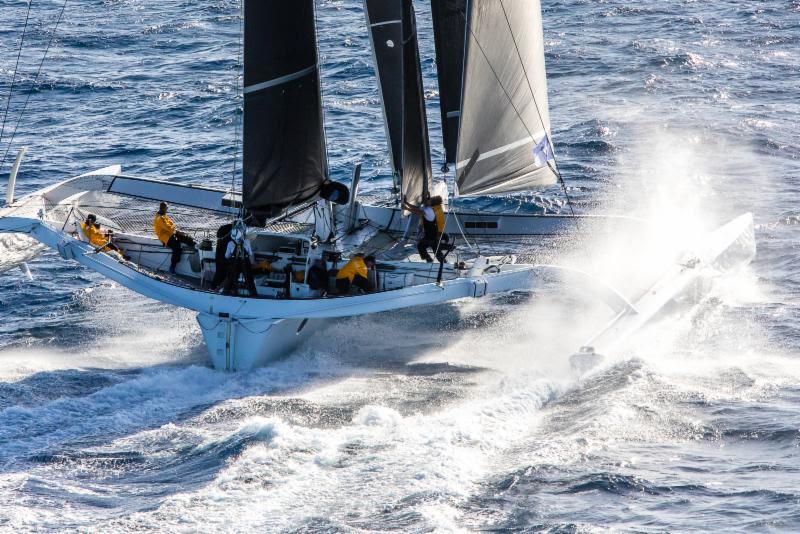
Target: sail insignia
{"x":280,"y":80}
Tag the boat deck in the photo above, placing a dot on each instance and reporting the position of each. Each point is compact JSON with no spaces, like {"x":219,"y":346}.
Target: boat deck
{"x":130,"y":218}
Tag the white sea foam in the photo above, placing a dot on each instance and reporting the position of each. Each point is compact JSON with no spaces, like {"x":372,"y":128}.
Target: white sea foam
{"x":16,"y":249}
{"x":289,"y":473}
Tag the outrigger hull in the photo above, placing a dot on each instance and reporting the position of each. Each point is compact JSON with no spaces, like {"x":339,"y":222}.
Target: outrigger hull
{"x":724,"y":250}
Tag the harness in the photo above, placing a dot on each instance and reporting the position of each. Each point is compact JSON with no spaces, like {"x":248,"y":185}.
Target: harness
{"x":240,"y":253}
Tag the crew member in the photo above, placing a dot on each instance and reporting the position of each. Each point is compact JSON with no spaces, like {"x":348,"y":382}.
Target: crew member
{"x":317,"y":276}
{"x":220,"y":263}
{"x":96,"y":237}
{"x":239,"y":255}
{"x":165,"y":230}
{"x":432,"y":218}
{"x":355,"y":273}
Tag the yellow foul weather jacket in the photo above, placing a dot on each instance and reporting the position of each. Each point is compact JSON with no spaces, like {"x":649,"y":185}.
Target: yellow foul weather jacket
{"x":94,"y":235}
{"x":355,"y":266}
{"x":164,"y":227}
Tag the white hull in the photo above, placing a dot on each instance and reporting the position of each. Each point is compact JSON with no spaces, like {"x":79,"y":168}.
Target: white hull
{"x":729,"y":247}
{"x":243,"y":344}
{"x":243,"y":332}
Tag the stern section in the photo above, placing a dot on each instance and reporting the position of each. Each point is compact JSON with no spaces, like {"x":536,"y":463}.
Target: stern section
{"x":239,"y":344}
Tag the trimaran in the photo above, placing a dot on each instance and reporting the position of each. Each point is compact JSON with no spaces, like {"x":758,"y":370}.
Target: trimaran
{"x":496,"y":132}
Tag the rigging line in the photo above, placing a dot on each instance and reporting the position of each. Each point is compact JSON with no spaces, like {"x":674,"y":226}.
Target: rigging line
{"x":564,"y":189}
{"x":460,"y":229}
{"x":554,"y":166}
{"x":237,"y":117}
{"x":16,"y":67}
{"x":442,"y":233}
{"x":318,"y":72}
{"x":36,"y":79}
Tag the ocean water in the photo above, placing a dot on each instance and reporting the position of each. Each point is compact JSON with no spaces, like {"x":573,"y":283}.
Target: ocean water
{"x":464,"y":417}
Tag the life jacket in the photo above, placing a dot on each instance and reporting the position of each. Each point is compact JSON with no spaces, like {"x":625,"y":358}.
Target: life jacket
{"x":164,"y":228}
{"x":438,"y":211}
{"x":355,"y":266}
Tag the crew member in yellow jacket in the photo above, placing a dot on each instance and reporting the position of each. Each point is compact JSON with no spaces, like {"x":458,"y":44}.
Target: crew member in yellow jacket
{"x":169,"y":236}
{"x":96,"y":237}
{"x":432,"y":220}
{"x":355,"y":273}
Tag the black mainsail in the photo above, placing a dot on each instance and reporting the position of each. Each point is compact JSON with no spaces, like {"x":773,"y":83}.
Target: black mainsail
{"x":504,"y":112}
{"x":393,"y":32}
{"x":448,"y":30}
{"x":284,"y":152}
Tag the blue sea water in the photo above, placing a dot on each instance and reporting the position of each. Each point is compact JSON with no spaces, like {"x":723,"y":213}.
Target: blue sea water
{"x":460,"y":417}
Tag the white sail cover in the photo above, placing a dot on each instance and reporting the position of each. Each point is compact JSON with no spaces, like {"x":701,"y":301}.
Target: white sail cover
{"x":504,"y":112}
